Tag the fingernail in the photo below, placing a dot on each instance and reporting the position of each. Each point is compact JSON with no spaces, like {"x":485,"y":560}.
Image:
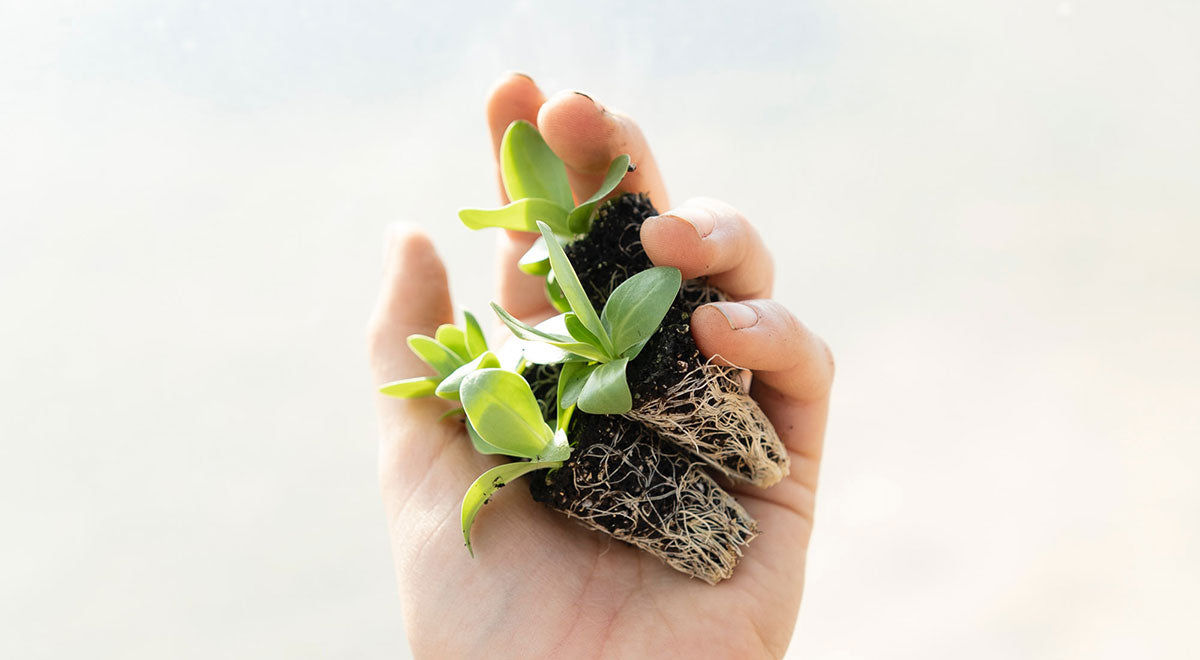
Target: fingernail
{"x":738,"y":315}
{"x":526,"y":76}
{"x":701,"y":220}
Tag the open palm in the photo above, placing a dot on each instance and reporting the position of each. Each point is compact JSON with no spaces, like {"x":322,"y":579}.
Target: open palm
{"x":541,"y":585}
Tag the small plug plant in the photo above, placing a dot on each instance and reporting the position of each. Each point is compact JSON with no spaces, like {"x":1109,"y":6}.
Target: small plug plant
{"x":535,"y":179}
{"x":453,"y":353}
{"x":596,"y":349}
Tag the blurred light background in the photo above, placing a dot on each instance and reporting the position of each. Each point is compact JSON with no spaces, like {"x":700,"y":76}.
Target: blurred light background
{"x":990,"y":209}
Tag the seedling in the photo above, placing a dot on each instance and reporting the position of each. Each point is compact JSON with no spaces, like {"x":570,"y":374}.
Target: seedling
{"x":596,"y":349}
{"x":505,"y":416}
{"x":536,"y":182}
{"x":453,"y":353}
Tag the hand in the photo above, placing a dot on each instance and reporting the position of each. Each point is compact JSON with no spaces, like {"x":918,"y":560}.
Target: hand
{"x":541,"y":585}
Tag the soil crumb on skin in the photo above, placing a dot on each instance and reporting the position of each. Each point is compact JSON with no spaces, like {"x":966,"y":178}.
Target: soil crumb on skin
{"x":622,"y":480}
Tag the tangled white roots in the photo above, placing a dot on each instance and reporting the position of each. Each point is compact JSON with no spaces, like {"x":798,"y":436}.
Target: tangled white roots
{"x":709,"y":414}
{"x":666,"y":505}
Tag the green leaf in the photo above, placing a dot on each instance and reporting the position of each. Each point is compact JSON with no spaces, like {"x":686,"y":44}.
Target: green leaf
{"x":443,"y":360}
{"x":448,"y":389}
{"x":522,"y":330}
{"x":476,"y":342}
{"x":580,"y":219}
{"x":489,"y":482}
{"x":530,"y":169}
{"x":606,"y":391}
{"x":410,"y":388}
{"x":521,"y":215}
{"x":529,"y":333}
{"x":453,"y":338}
{"x":554,"y":292}
{"x":573,"y":290}
{"x":503,"y":410}
{"x":637,"y":307}
{"x":536,"y":260}
{"x":570,"y":382}
{"x":479,"y":443}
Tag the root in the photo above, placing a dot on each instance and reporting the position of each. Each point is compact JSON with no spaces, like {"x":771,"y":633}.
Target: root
{"x":710,"y":414}
{"x":701,"y":533}
{"x":652,"y":496}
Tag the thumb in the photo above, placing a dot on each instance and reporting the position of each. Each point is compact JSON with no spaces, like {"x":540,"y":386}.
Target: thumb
{"x":414,"y":299}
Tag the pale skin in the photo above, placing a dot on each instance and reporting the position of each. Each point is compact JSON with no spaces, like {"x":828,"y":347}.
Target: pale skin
{"x":541,"y":585}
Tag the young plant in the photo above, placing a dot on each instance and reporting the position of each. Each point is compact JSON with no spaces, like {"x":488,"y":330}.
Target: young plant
{"x":596,"y":349}
{"x":536,"y":182}
{"x":505,"y":416}
{"x":453,"y":353}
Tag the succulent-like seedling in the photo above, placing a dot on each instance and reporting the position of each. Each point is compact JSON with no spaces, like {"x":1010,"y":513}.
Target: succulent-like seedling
{"x":453,"y":353}
{"x":596,"y":349}
{"x":505,"y":416}
{"x":536,"y":182}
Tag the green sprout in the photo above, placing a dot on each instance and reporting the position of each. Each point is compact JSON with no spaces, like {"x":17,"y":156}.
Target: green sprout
{"x":536,"y":182}
{"x":596,"y":349}
{"x":505,"y":417}
{"x":453,"y":353}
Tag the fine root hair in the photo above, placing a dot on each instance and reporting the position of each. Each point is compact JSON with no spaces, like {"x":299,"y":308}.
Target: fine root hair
{"x":709,"y":414}
{"x":662,"y":503}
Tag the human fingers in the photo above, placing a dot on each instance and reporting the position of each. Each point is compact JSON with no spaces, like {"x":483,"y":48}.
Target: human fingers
{"x":709,"y":237}
{"x":587,"y":137}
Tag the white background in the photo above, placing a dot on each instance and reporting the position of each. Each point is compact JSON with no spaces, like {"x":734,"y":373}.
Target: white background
{"x":989,"y":209}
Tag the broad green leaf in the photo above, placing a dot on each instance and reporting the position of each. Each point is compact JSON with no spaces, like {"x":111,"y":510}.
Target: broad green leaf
{"x":453,"y":338}
{"x":570,"y":382}
{"x":637,"y":307}
{"x":554,"y":292}
{"x":489,"y":482}
{"x":536,"y":260}
{"x":521,"y":215}
{"x":530,"y":169}
{"x":504,"y":412}
{"x":580,"y":219}
{"x":573,"y":290}
{"x":410,"y":388}
{"x":529,"y":333}
{"x":606,"y":392}
{"x":448,"y":389}
{"x":476,"y":342}
{"x":479,"y":443}
{"x":443,"y":360}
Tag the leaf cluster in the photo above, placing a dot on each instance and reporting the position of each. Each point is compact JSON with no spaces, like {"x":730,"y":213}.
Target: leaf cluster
{"x":453,"y":353}
{"x":504,"y":418}
{"x":535,"y":179}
